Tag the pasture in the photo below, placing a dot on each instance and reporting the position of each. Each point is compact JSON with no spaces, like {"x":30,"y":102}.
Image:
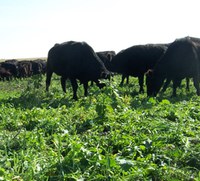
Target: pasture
{"x":113,"y":134}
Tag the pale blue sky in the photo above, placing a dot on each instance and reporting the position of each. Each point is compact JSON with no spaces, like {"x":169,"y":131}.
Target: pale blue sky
{"x":29,"y":28}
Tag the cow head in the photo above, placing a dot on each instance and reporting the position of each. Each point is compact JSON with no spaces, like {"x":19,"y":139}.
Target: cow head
{"x":153,"y":82}
{"x":105,"y":75}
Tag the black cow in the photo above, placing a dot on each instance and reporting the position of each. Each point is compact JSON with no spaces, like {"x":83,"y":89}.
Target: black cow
{"x":180,"y":61}
{"x":11,"y":66}
{"x":36,"y":67}
{"x":4,"y":74}
{"x":43,"y":64}
{"x":13,"y":61}
{"x":136,"y":60}
{"x":24,"y":69}
{"x":106,"y":57}
{"x":75,"y":60}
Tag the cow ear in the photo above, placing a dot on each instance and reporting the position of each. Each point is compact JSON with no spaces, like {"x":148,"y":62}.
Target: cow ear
{"x":149,"y":72}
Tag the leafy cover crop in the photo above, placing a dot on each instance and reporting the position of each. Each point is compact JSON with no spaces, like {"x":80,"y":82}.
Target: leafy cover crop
{"x":113,"y":134}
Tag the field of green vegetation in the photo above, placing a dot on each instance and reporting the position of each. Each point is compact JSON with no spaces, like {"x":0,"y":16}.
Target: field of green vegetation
{"x":113,"y":134}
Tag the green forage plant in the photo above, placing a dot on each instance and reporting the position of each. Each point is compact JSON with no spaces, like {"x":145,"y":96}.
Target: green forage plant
{"x":112,"y":134}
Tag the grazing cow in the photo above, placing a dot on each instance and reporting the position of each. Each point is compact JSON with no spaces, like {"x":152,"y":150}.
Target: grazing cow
{"x":136,"y":60}
{"x":22,"y":70}
{"x":36,"y":67}
{"x":13,"y":61}
{"x":106,"y":57}
{"x":75,"y":60}
{"x":11,"y":66}
{"x":43,"y":64}
{"x":196,"y":41}
{"x":4,"y":74}
{"x":180,"y":61}
{"x":25,"y":68}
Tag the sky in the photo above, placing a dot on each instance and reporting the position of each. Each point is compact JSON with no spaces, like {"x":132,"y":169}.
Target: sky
{"x":29,"y":28}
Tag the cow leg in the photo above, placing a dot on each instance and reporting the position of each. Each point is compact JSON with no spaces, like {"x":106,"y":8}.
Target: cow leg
{"x":176,"y":83}
{"x":141,"y":81}
{"x":92,"y":83}
{"x":196,"y":85}
{"x":63,"y":84}
{"x":74,"y":87}
{"x":85,"y":84}
{"x":122,"y":81}
{"x":165,"y":85}
{"x":48,"y":79}
{"x":187,"y":84}
{"x":127,"y":79}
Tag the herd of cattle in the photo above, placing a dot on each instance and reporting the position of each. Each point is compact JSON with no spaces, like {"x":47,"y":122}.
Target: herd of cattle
{"x":13,"y":68}
{"x":160,"y":63}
